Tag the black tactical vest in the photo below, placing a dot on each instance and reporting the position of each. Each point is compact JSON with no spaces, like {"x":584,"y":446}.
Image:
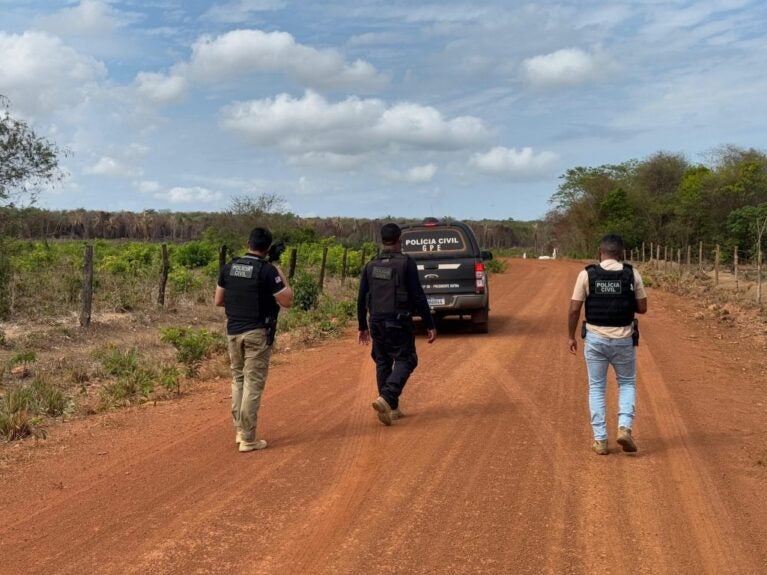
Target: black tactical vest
{"x":611,"y":301}
{"x":242,"y":293}
{"x":386,"y":276}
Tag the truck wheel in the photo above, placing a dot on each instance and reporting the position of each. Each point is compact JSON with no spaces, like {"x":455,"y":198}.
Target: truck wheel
{"x":479,"y":321}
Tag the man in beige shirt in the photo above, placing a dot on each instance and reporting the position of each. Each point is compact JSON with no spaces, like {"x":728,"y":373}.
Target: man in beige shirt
{"x":613,"y":293}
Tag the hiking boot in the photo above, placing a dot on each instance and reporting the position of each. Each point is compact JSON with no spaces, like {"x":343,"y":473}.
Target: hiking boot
{"x":384,"y":410}
{"x":625,"y":440}
{"x":600,"y":447}
{"x":397,"y":414}
{"x":252,"y":445}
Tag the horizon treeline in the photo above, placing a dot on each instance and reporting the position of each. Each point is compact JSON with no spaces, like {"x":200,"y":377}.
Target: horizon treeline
{"x":34,"y":223}
{"x":664,"y":199}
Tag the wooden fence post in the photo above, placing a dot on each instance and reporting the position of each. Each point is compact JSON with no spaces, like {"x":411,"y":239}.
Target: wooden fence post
{"x":322,"y":266}
{"x":759,"y":274}
{"x":689,"y":255}
{"x":665,"y":258}
{"x":221,"y":257}
{"x":700,"y":257}
{"x":292,"y":264}
{"x":343,"y":266}
{"x":679,"y":260}
{"x":735,"y":266}
{"x":716,"y":266}
{"x":642,"y":252}
{"x":163,"y":276}
{"x":652,"y":251}
{"x":85,"y":312}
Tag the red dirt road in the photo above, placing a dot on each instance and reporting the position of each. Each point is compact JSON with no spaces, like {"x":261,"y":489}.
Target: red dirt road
{"x":490,"y":472}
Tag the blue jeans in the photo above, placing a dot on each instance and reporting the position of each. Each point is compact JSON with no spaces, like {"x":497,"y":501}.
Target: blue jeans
{"x":600,"y":352}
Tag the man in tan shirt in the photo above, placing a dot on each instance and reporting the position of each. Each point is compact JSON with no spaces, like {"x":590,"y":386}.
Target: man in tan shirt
{"x":613,"y":293}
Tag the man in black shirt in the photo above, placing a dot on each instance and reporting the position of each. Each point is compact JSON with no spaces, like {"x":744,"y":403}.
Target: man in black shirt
{"x":251,"y":290}
{"x":391,"y":291}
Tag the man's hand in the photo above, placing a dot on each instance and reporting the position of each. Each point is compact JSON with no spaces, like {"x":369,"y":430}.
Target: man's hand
{"x":364,"y":337}
{"x":572,"y":344}
{"x":431,"y":335}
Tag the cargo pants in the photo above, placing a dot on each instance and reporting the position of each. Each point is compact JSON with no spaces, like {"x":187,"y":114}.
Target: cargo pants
{"x":249,"y":355}
{"x":394,"y":355}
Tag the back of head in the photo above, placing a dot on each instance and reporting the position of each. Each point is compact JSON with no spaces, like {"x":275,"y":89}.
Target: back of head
{"x":260,"y":239}
{"x":611,"y":246}
{"x":390,"y":233}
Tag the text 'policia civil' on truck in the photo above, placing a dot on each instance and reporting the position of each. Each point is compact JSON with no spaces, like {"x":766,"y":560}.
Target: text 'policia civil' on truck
{"x":451,"y":267}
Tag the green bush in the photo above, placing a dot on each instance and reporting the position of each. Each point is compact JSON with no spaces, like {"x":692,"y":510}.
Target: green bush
{"x":129,"y":388}
{"x":192,"y":346}
{"x":195,"y":254}
{"x":306,"y":292}
{"x":117,"y":362}
{"x":170,"y":379}
{"x":47,"y":398}
{"x":496,"y":266}
{"x":183,"y":281}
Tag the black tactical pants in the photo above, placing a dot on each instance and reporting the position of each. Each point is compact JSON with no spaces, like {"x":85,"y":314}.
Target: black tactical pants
{"x":394,"y":355}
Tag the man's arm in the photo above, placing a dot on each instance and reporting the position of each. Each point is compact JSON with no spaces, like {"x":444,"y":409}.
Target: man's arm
{"x":422,"y":304}
{"x":362,"y":308}
{"x":284,"y":297}
{"x":642,"y":305}
{"x":219,"y":300}
{"x":573,"y":315}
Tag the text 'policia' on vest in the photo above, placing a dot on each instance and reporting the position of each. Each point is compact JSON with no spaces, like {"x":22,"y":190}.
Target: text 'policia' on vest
{"x":611,"y":301}
{"x":388,"y":296}
{"x":241,"y":299}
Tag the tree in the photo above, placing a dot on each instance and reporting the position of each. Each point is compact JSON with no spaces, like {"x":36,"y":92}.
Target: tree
{"x":26,"y":159}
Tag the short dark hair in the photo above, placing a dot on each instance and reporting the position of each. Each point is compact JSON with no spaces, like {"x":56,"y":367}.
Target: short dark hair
{"x":390,"y":233}
{"x":612,"y":245}
{"x":260,"y":239}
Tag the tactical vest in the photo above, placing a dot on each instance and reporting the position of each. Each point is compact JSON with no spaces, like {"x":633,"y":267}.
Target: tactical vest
{"x":386,"y":276}
{"x":611,"y":301}
{"x":242,"y":293}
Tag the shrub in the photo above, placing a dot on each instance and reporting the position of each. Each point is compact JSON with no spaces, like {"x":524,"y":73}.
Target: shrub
{"x":170,"y":379}
{"x":496,"y":266}
{"x":47,"y":398}
{"x":128,"y":388}
{"x":306,"y":292}
{"x":16,"y":414}
{"x":192,"y":346}
{"x":181,"y":280}
{"x":195,"y":254}
{"x":117,"y":362}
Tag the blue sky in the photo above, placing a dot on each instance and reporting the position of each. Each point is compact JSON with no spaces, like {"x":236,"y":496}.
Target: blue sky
{"x":366,"y":108}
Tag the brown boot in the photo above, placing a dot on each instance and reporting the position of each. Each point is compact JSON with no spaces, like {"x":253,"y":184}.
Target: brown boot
{"x":600,"y":447}
{"x":384,"y":410}
{"x":254,"y":445}
{"x":626,"y":441}
{"x":397,"y":414}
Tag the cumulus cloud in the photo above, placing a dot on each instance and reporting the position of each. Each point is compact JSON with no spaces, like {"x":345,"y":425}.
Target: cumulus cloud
{"x":195,"y":194}
{"x":161,"y":88}
{"x":40,"y":73}
{"x":147,"y":186}
{"x":89,"y":17}
{"x":353,"y":126}
{"x":107,"y":166}
{"x":567,"y":67}
{"x":508,"y":162}
{"x":241,"y":11}
{"x":415,"y":175}
{"x":242,"y":52}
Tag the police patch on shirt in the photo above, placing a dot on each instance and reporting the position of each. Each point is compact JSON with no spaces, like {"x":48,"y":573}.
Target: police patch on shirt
{"x":608,"y":287}
{"x":241,"y":271}
{"x":382,"y":273}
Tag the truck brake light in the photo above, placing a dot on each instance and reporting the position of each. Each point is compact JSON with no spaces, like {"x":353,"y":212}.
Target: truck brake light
{"x":479,"y":277}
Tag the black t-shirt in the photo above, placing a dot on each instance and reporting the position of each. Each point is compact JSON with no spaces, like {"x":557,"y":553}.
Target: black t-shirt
{"x":271,"y":283}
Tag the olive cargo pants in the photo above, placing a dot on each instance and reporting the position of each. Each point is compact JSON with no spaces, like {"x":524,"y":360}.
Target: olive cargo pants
{"x":249,"y":355}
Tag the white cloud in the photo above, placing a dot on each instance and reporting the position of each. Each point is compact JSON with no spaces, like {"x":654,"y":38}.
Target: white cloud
{"x":567,"y":67}
{"x":161,"y":88}
{"x":191,"y":195}
{"x":241,"y":52}
{"x":353,"y":126}
{"x":40,"y":73}
{"x":415,"y":175}
{"x":242,"y":10}
{"x":89,"y":17}
{"x":508,"y":162}
{"x":148,"y":186}
{"x":107,"y":166}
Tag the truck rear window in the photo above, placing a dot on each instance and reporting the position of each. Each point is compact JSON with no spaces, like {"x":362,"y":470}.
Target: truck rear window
{"x":439,"y":240}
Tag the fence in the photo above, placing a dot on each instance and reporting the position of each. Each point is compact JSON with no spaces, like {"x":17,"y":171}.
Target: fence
{"x":74,"y":278}
{"x":708,"y":259}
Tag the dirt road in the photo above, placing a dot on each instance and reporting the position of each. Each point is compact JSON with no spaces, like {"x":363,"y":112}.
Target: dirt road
{"x":490,"y":471}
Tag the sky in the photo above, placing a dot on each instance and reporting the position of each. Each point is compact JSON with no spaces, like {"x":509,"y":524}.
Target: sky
{"x":363,"y":108}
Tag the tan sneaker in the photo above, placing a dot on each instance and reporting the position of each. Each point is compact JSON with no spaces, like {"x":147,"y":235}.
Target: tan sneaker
{"x":625,"y":440}
{"x":238,"y":438}
{"x":252,"y":445}
{"x":384,"y":410}
{"x":600,"y":447}
{"x":397,"y":414}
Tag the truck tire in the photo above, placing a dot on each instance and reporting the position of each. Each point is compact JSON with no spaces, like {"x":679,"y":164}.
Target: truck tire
{"x":479,"y":320}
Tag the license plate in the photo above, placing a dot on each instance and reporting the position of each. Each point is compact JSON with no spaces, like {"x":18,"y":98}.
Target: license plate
{"x":435,"y":301}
